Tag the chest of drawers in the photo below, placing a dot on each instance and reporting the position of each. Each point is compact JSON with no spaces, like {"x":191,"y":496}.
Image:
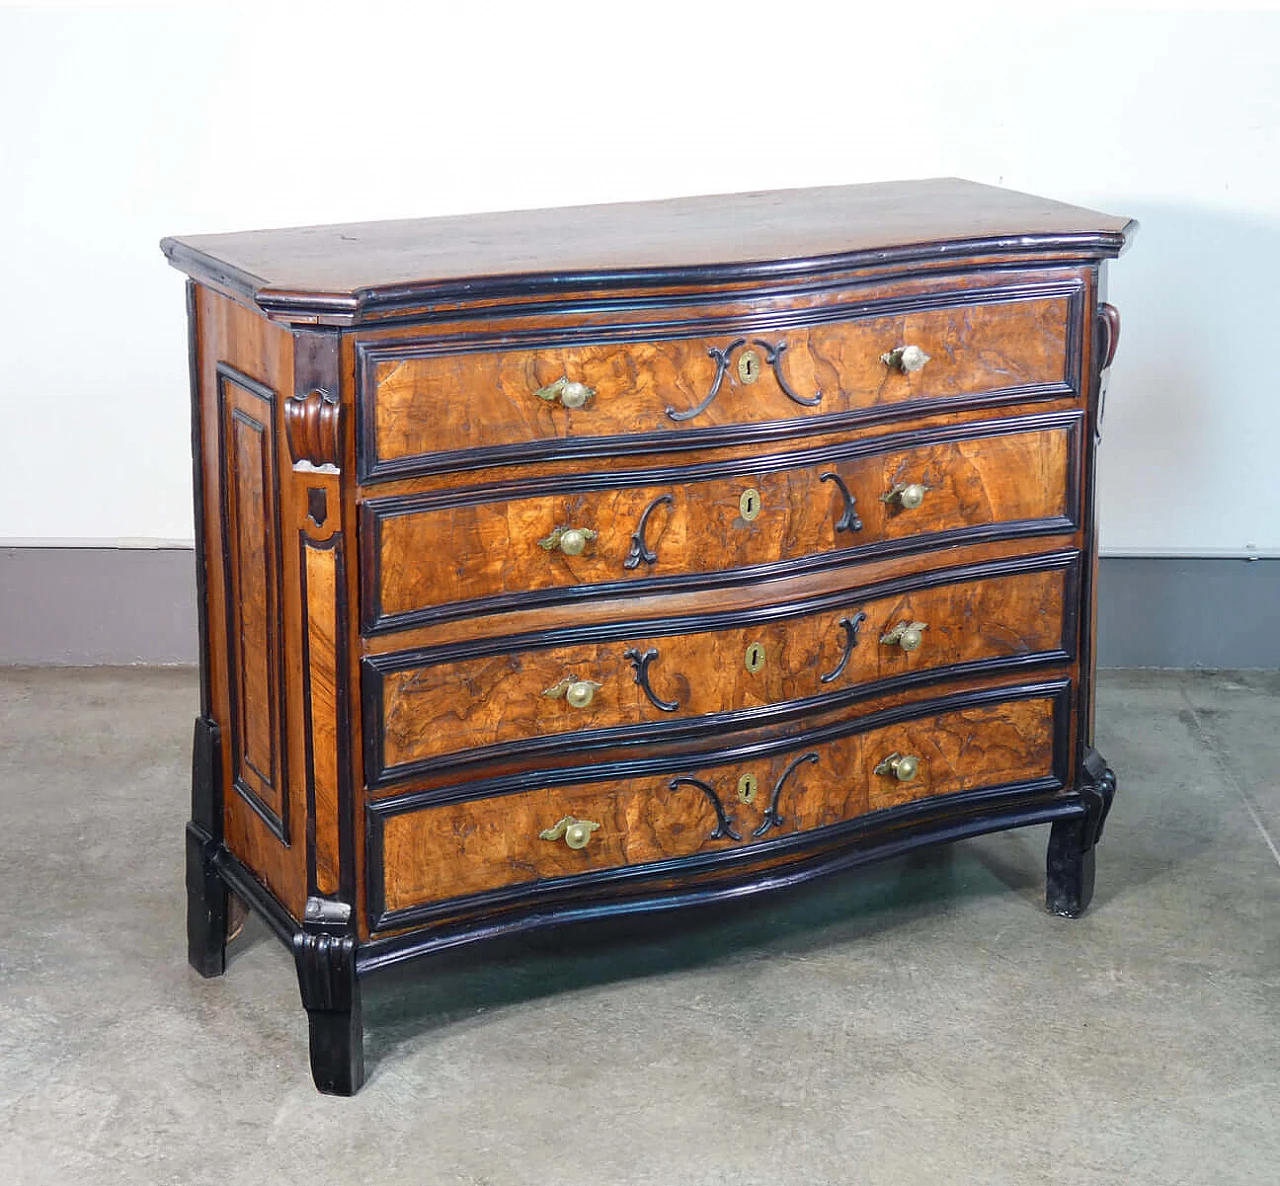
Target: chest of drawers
{"x":622,"y":558}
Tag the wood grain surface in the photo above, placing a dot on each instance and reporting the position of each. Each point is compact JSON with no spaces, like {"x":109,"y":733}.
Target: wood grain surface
{"x":467,"y":848}
{"x":694,"y":232}
{"x":487,"y":398}
{"x":254,"y":617}
{"x":422,"y":559}
{"x":443,"y":709}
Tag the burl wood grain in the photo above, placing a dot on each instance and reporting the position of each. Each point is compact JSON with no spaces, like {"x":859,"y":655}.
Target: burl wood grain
{"x":323,"y":665}
{"x":466,"y":848}
{"x":438,"y":710}
{"x":463,"y":401}
{"x":252,"y":573}
{"x":435,"y":557}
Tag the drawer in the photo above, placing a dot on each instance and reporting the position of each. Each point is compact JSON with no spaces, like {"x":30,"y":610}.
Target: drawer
{"x":478,"y":700}
{"x":457,"y":553}
{"x":722,"y":807}
{"x":434,"y":406}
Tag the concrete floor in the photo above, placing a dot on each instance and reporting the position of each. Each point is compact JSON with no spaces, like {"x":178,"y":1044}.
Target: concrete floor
{"x":921,"y":1021}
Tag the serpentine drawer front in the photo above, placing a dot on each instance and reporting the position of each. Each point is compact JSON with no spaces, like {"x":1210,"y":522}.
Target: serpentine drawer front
{"x":481,"y":845}
{"x":508,"y":400}
{"x":562,"y":564}
{"x":558,"y":697}
{"x":473,"y":550}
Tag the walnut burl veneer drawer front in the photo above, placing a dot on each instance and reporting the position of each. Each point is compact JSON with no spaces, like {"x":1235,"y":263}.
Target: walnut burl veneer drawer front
{"x":454,"y":555}
{"x":708,"y":673}
{"x":474,"y":847}
{"x":428,"y":407}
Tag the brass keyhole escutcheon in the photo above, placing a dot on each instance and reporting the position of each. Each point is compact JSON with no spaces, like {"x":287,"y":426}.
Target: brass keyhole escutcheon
{"x":754,"y":658}
{"x":748,"y":366}
{"x":749,"y":504}
{"x":748,"y":784}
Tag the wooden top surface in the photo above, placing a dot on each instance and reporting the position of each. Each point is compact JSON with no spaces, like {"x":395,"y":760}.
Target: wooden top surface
{"x":719,"y":236}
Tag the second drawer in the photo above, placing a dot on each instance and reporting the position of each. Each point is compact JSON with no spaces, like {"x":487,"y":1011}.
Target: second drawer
{"x":454,"y":553}
{"x":502,"y":695}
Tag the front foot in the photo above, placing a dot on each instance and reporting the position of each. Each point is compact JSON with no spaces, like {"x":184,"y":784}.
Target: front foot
{"x":326,"y":961}
{"x":1071,"y":863}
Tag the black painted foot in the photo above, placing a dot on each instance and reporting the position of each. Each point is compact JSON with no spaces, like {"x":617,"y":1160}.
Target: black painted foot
{"x":206,"y":906}
{"x":1070,"y":870}
{"x":1071,"y":864}
{"x":206,"y":891}
{"x":331,"y":996}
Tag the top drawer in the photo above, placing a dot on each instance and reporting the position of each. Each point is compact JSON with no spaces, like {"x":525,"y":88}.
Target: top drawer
{"x":434,"y":406}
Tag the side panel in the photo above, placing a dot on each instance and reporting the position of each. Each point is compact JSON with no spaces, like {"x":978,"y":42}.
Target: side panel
{"x":246,"y":372}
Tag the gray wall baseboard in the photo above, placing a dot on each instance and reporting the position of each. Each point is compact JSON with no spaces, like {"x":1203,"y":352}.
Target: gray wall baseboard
{"x":1155,"y":611}
{"x":89,"y":606}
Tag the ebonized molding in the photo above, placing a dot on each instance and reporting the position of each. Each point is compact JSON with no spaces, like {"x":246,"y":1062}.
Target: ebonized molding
{"x":375,"y":511}
{"x":372,"y":468}
{"x":278,"y":823}
{"x":376,"y":667}
{"x":423,"y":301}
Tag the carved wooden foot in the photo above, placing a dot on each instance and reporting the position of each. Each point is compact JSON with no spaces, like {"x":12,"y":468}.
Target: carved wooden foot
{"x":206,"y":906}
{"x":1070,"y":867}
{"x":331,"y":996}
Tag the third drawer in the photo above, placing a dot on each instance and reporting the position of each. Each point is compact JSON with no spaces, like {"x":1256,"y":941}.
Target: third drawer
{"x":574,"y":689}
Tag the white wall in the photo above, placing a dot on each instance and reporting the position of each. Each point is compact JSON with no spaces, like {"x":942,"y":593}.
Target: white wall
{"x":119,"y":126}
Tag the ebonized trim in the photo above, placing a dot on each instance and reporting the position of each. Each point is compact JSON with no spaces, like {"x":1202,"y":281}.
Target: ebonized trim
{"x":743,"y":751}
{"x":383,"y":302}
{"x":375,"y":511}
{"x":197,"y":486}
{"x":245,"y":885}
{"x":375,"y":668}
{"x":371,"y":468}
{"x":682,"y":764}
{"x":277,"y":823}
{"x":383,"y":953}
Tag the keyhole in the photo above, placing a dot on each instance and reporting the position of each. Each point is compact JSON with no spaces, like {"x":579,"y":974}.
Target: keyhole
{"x":749,"y":504}
{"x":754,"y":659}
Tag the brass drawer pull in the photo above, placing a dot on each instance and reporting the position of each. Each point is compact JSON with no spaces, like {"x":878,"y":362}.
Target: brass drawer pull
{"x":908,"y":495}
{"x":903,"y":767}
{"x":577,"y":693}
{"x":906,"y":359}
{"x":575,"y":832}
{"x":907,"y":635}
{"x":569,"y":394}
{"x":572,"y":541}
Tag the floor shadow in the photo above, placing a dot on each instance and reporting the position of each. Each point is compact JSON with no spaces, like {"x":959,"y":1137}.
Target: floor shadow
{"x":450,"y":989}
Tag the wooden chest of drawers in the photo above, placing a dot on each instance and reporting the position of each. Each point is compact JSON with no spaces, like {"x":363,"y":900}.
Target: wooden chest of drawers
{"x":623,"y":558}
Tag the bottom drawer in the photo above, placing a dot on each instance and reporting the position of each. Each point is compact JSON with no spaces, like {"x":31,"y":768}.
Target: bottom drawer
{"x":722,"y":802}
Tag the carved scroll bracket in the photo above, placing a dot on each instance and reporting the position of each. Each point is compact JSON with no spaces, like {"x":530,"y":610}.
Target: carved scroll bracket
{"x":313,"y":425}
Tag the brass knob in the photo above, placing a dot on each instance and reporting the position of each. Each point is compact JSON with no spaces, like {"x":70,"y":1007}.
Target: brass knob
{"x":907,"y":635}
{"x":572,"y":541}
{"x":570,"y":394}
{"x":576,"y":833}
{"x":906,"y":359}
{"x":903,"y":767}
{"x":908,"y":495}
{"x":577,"y":693}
